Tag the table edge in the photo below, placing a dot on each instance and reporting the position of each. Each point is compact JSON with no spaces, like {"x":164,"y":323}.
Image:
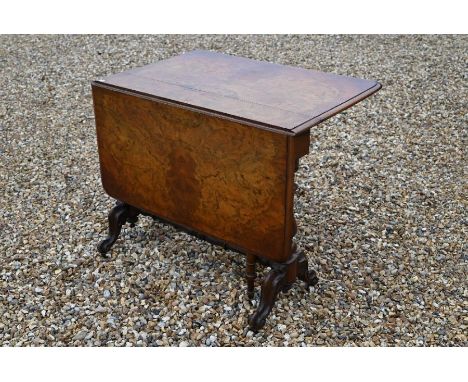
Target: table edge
{"x":261,"y":125}
{"x":337,"y":109}
{"x":206,"y":111}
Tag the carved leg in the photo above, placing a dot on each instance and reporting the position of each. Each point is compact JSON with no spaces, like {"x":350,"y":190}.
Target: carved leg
{"x":303,"y":273}
{"x":302,"y":267}
{"x":272,"y":285}
{"x":251,"y":275}
{"x":118,"y":216}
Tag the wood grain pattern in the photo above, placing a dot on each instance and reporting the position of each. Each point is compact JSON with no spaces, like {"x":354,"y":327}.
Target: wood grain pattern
{"x":220,"y":178}
{"x":283,"y":97}
{"x":211,"y":143}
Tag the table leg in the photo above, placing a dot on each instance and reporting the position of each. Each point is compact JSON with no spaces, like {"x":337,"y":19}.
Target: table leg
{"x":251,"y":275}
{"x":303,"y":273}
{"x":271,"y":287}
{"x":118,"y":216}
{"x":283,"y":275}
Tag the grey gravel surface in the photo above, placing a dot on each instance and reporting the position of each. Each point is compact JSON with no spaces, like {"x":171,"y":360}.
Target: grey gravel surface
{"x":381,"y":205}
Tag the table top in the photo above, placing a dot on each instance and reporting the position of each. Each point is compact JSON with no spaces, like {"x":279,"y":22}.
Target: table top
{"x":286,"y":98}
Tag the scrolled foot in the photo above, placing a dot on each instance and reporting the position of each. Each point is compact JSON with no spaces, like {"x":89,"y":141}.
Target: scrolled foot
{"x":313,"y":278}
{"x":272,"y":285}
{"x":256,"y":323}
{"x":118,"y":216}
{"x":303,"y":272}
{"x":105,"y":245}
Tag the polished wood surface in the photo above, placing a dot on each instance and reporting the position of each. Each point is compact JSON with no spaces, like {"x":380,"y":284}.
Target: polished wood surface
{"x":210,"y":143}
{"x":267,"y":94}
{"x":220,"y":178}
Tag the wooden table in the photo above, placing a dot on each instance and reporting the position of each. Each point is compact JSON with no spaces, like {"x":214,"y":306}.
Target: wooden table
{"x":210,"y":143}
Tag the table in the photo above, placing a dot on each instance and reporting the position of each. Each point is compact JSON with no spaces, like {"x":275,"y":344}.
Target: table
{"x":210,"y":142}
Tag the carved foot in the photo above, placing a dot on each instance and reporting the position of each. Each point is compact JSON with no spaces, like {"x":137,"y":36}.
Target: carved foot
{"x":303,"y":272}
{"x":118,"y":216}
{"x":272,"y":285}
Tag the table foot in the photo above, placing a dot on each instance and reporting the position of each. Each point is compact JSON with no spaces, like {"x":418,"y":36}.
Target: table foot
{"x":280,"y":279}
{"x":303,"y":273}
{"x":120,"y":214}
{"x":272,"y":285}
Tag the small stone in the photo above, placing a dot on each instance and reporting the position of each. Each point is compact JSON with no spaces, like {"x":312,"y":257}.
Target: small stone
{"x":81,"y":335}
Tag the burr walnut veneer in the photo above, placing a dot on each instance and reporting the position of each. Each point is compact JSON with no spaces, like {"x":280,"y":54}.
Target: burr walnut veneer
{"x":210,"y":143}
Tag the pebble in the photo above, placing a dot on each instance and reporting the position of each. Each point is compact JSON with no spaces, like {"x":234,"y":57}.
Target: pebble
{"x":81,"y":335}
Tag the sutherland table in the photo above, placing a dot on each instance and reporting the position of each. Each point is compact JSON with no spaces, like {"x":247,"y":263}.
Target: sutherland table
{"x":210,"y":143}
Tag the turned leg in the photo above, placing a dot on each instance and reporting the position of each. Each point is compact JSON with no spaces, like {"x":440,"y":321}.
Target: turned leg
{"x":303,"y":272}
{"x":272,"y":285}
{"x":251,"y":275}
{"x":118,"y":216}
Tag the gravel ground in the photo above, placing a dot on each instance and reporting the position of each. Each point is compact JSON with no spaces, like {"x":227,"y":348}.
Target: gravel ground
{"x":381,"y":205}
